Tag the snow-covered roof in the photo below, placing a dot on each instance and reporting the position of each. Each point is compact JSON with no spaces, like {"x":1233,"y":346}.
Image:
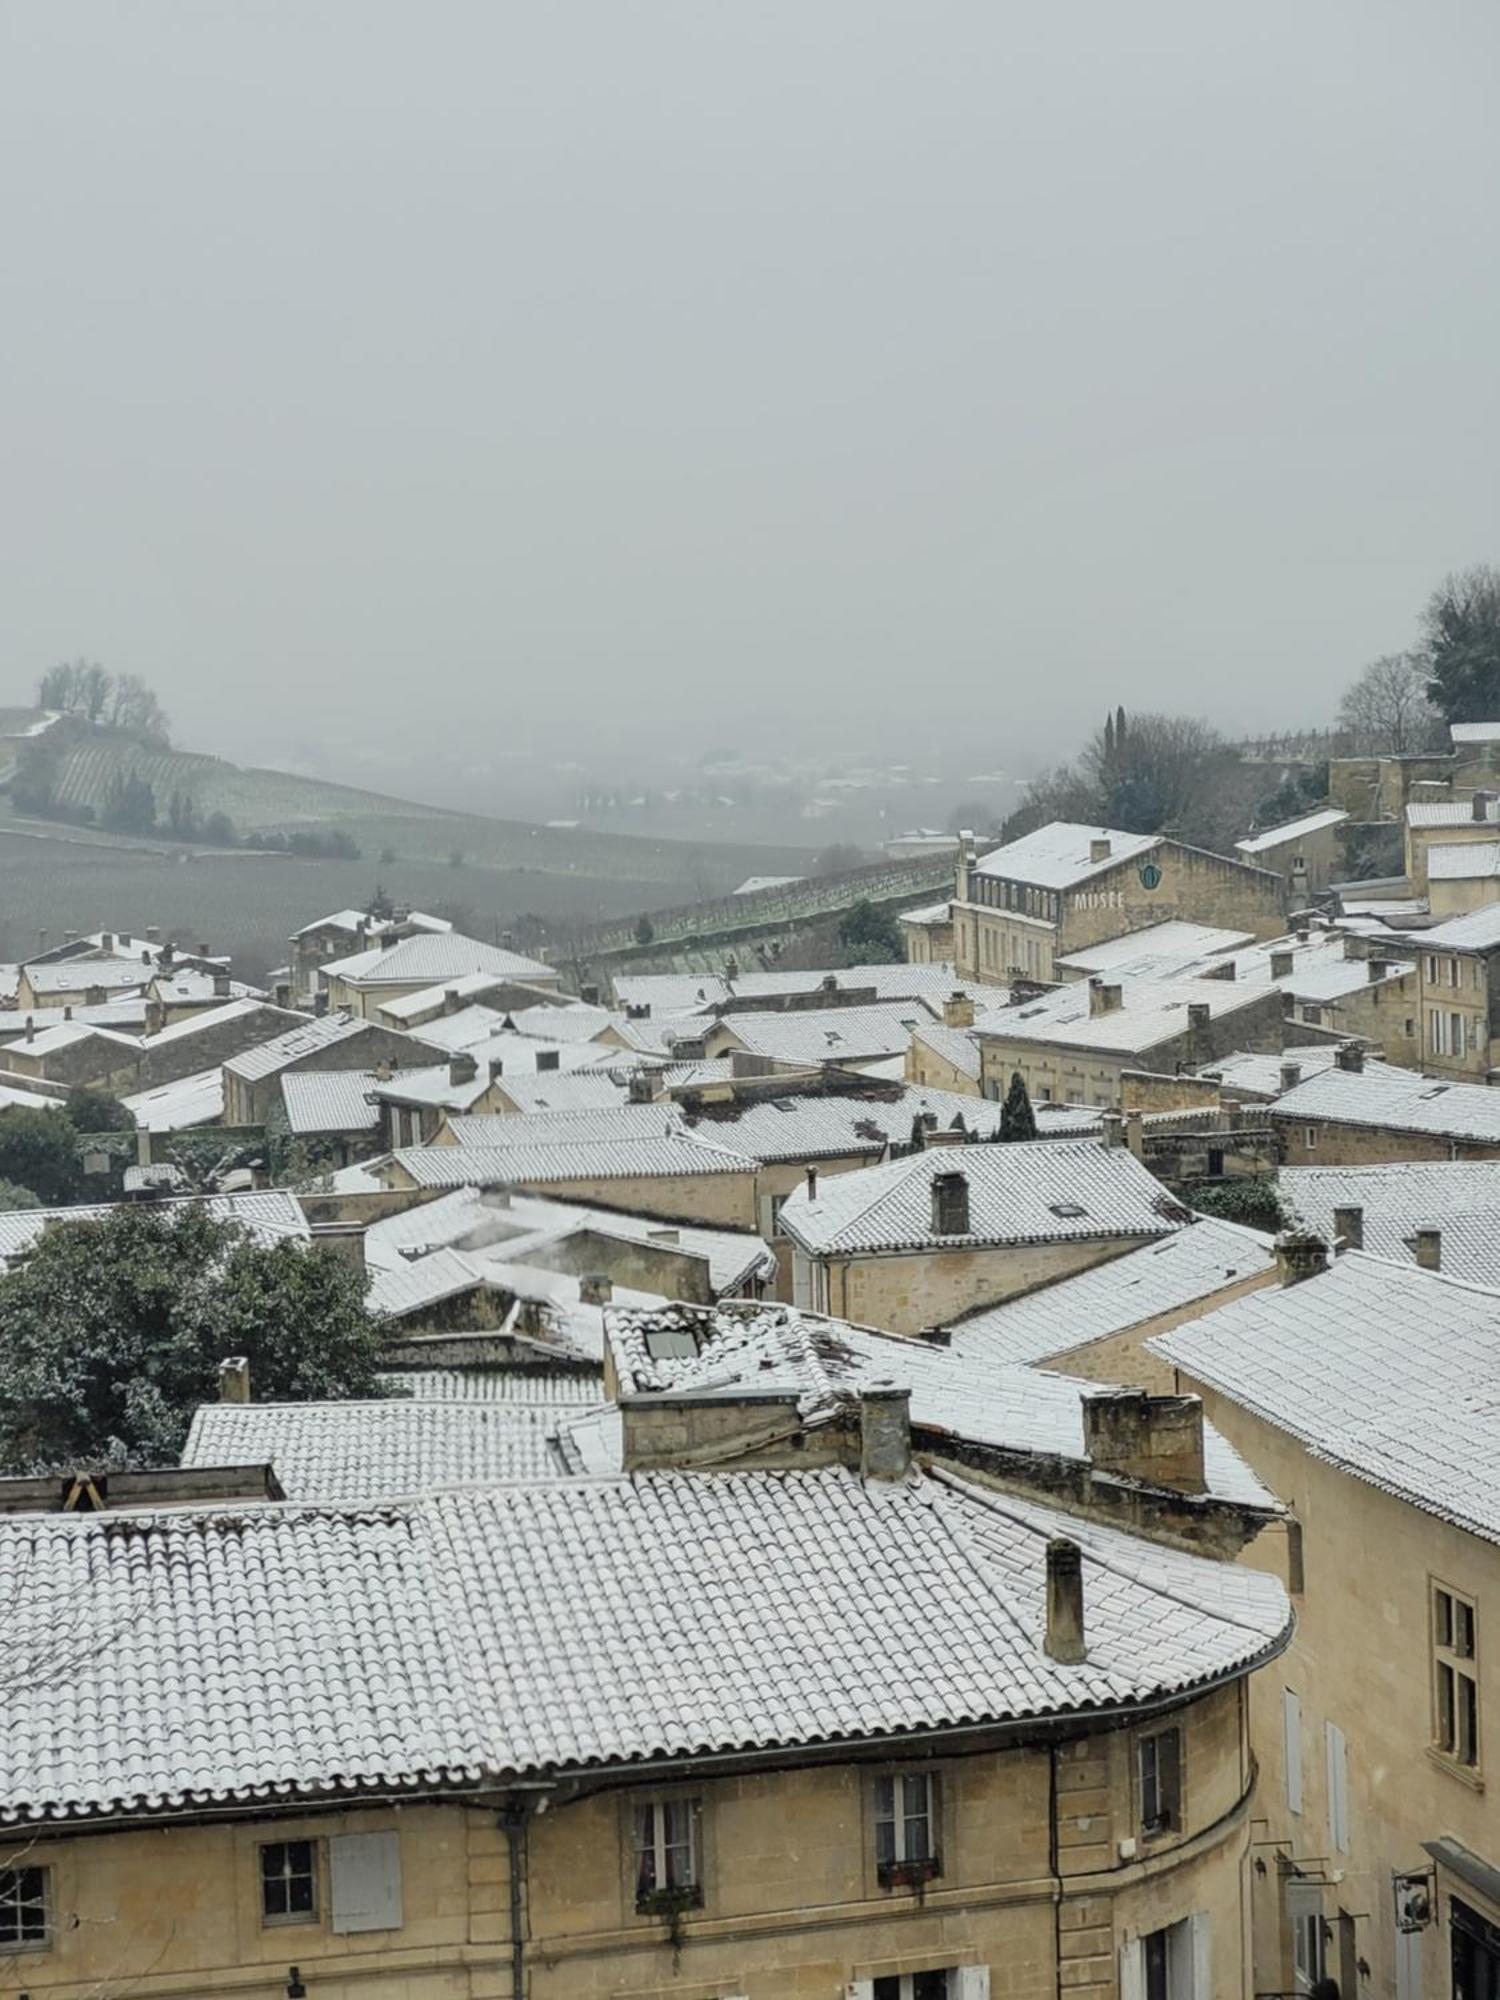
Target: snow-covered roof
{"x":378,"y":1649}
{"x":306,"y":1039}
{"x":831,"y":1125}
{"x":931,"y":916}
{"x":1160,"y":951}
{"x":434,"y":958}
{"x":1387,"y":1371}
{"x":1292,"y":829}
{"x":1452,"y":812}
{"x":609,"y":1125}
{"x":1151,"y":1011}
{"x":178,"y":1106}
{"x":958,"y":1047}
{"x":1399,"y":1098}
{"x":77,"y":975}
{"x":1243,"y":1071}
{"x":1459,"y":1197}
{"x":667,"y":993}
{"x":1168,"y":1276}
{"x":1478,"y":930}
{"x":817,"y":1035}
{"x":1464,"y":861}
{"x":1474,"y":732}
{"x":1059,"y":856}
{"x":272,"y":1215}
{"x":1037,"y":1191}
{"x":500,"y":1166}
{"x":331,"y":1100}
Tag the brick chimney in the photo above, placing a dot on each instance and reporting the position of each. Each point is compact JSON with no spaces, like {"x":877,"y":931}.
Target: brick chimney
{"x":1349,"y":1228}
{"x":884,"y":1431}
{"x":1300,"y":1253}
{"x":1064,"y":1639}
{"x":958,"y":1011}
{"x":1155,"y":1439}
{"x":234,"y":1380}
{"x":1100,"y":847}
{"x":950,"y":1203}
{"x":1350,"y":1056}
{"x":1427,"y":1248}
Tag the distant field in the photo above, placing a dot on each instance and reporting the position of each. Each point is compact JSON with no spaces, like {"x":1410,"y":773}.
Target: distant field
{"x":278,"y":802}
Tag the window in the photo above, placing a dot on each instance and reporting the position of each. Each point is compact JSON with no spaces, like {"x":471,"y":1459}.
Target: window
{"x":666,"y":1852}
{"x":23,"y":1909}
{"x":913,"y":1986}
{"x":289,"y":1881}
{"x":1169,"y":1964}
{"x":1455,"y":1677}
{"x":1453,"y":972}
{"x":906,"y":1827}
{"x":1304,"y":1909}
{"x":1456,"y":1033}
{"x":1432,"y":969}
{"x":1310,"y":1137}
{"x":1161,"y":1780}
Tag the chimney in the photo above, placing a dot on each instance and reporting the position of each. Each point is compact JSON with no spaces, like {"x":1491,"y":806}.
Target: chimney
{"x":812,"y":1183}
{"x":589,"y":995}
{"x":964,"y":867}
{"x":958,"y":1011}
{"x":1427,"y":1248}
{"x":1114,"y":1128}
{"x":156,"y":1016}
{"x":452,"y":1000}
{"x":1099,"y":848}
{"x":30,"y":1028}
{"x":1349,"y":1228}
{"x":1155,"y":1439}
{"x":126,"y":940}
{"x":1291,"y":1075}
{"x":548,"y":1059}
{"x":884,"y":1431}
{"x":383,"y":1070}
{"x":282,"y":995}
{"x":107,"y":943}
{"x":937,"y":1336}
{"x":595,"y":1289}
{"x":1281,"y":964}
{"x":640,"y":1087}
{"x":145,"y":955}
{"x":1350,"y":1056}
{"x":234,"y":1380}
{"x":1379,"y":967}
{"x":1300,"y":1253}
{"x":68,"y":1011}
{"x":1135,"y":1137}
{"x":320,"y":1003}
{"x":1064,"y":1638}
{"x":1479,"y":805}
{"x":221,"y":985}
{"x":950,"y":1203}
{"x":462,"y":1068}
{"x":1302,"y":924}
{"x":153,"y":933}
{"x":497,"y":1067}
{"x":1199,"y":1015}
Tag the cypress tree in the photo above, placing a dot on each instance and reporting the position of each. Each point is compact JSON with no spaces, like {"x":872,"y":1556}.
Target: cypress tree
{"x":1017,"y":1119}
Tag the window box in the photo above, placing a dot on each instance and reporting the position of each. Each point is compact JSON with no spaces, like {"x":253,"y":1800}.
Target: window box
{"x":669,"y":1902}
{"x":908,"y":1874}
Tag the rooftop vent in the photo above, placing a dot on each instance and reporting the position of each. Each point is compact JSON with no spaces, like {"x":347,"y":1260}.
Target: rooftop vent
{"x":950,"y":1204}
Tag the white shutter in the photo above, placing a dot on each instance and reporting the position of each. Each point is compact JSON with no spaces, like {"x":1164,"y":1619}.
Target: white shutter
{"x":1408,"y":1965}
{"x":860,"y":1989}
{"x":364,"y":1873}
{"x":1291,"y":1747}
{"x":1202,"y":1986}
{"x":972,"y":1982}
{"x":1338,"y":1788}
{"x":1132,"y":1971}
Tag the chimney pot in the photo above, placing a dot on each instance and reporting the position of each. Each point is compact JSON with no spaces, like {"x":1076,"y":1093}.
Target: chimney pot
{"x":1427,"y":1248}
{"x":812,"y":1183}
{"x":1349,"y":1228}
{"x":1300,"y":1253}
{"x":1350,"y":1056}
{"x":1480,"y":805}
{"x":234,"y":1380}
{"x":1064,"y":1639}
{"x":884,"y":1431}
{"x":950,"y":1203}
{"x":1155,"y":1439}
{"x":1199,"y":1015}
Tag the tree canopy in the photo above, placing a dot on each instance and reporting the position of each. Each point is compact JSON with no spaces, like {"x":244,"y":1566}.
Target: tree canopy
{"x":113,"y":1332}
{"x":110,"y":701}
{"x":1017,"y":1119}
{"x":39,"y":1150}
{"x":1386,"y":710}
{"x":89,"y":1110}
{"x":870,"y":936}
{"x":1461,"y":645}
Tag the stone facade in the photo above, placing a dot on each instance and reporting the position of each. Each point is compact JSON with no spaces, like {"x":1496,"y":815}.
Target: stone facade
{"x":792,"y":1902}
{"x":903,"y":1293}
{"x":1459,"y":1008}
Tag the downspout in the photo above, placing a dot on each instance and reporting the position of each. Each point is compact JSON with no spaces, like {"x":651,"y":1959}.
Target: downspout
{"x":1054,"y":1868}
{"x":513,"y":1820}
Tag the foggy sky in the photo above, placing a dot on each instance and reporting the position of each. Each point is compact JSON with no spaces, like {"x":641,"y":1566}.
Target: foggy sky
{"x":389,"y":375}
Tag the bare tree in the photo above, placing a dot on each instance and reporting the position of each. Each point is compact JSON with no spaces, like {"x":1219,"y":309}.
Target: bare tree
{"x":1386,"y":712}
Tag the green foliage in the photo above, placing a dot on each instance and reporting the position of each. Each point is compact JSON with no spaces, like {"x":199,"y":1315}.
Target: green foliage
{"x":1253,"y":1199}
{"x":113,"y":1332}
{"x":129,"y":804}
{"x":39,"y":1150}
{"x":870,"y":936}
{"x":1461,"y":633}
{"x":13,"y":1197}
{"x":96,"y":1111}
{"x":645,"y":930}
{"x":1017,"y":1119}
{"x":1301,"y":790}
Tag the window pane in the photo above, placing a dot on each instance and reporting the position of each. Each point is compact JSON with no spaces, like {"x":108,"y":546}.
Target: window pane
{"x":23,"y":1906}
{"x":1463,"y":1629}
{"x":1468,"y":1719}
{"x":645,"y":1851}
{"x":929,"y":1986}
{"x":1445,"y":1706}
{"x":1443,"y":1607}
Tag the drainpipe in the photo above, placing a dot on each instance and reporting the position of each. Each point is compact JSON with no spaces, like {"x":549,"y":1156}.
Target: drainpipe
{"x":513,"y":1821}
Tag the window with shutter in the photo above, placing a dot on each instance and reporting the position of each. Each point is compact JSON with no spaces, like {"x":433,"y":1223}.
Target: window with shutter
{"x":1338,"y":1788}
{"x":364,"y":1881}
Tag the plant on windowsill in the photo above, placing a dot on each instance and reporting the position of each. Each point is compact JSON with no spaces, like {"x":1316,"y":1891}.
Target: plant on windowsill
{"x":909,"y":1874}
{"x":671,"y":1904}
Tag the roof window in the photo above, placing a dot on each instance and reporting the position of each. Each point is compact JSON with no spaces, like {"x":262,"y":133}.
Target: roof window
{"x":1066,"y":1210}
{"x":671,"y":1343}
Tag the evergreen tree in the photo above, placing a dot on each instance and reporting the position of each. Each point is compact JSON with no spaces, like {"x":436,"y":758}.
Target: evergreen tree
{"x":1017,"y":1119}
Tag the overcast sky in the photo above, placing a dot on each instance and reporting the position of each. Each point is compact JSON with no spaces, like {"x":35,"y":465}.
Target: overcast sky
{"x":379,"y":373}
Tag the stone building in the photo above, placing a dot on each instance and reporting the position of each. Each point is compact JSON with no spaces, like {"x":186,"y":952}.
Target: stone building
{"x":1431,"y":824}
{"x":1364,"y":1396}
{"x":1359,"y":1114}
{"x":1306,"y":853}
{"x":362,"y":982}
{"x":1458,"y":964}
{"x":1021,"y":906}
{"x":252,"y":1078}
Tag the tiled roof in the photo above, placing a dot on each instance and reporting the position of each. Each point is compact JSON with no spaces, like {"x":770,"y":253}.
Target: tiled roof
{"x":611,"y":1125}
{"x":930,"y":914}
{"x":1479,"y":930}
{"x":668,"y":993}
{"x":1464,"y":861}
{"x":459,"y":1639}
{"x":1260,"y":1075}
{"x":359,"y":1452}
{"x":1163,"y":1277}
{"x":1151,"y":1011}
{"x":1399,"y":1098}
{"x":177,"y":1107}
{"x":1474,"y":732}
{"x":829,"y":1126}
{"x":76,"y":975}
{"x":1387,"y":1371}
{"x":1057,"y":856}
{"x":330,"y":1100}
{"x":1294,"y":829}
{"x":562,"y":1024}
{"x":567,"y":1090}
{"x":432,"y":958}
{"x":206,"y":1019}
{"x":271,"y":1216}
{"x":190,"y":985}
{"x":407,"y":1285}
{"x":817,"y":1035}
{"x":499,"y":1383}
{"x":52,"y":1039}
{"x":500,"y":1166}
{"x":1160,"y":951}
{"x":321,"y":1033}
{"x":1459,"y":1197}
{"x":1451,"y":812}
{"x":1040,"y":1191}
